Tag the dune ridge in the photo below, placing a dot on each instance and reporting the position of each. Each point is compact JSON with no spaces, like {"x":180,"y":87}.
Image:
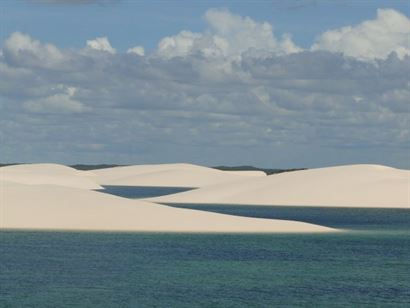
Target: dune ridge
{"x":55,"y":174}
{"x":171,"y":175}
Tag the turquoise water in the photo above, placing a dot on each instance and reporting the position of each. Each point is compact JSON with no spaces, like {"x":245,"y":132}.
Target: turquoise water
{"x":366,"y":267}
{"x":62,"y":269}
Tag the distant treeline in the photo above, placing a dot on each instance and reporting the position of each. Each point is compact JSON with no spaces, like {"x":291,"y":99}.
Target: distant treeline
{"x":93,"y":167}
{"x":225,"y":168}
{"x":251,"y":168}
{"x":11,"y":164}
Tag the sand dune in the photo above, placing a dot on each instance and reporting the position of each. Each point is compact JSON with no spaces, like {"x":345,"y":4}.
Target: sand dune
{"x":172,"y":175}
{"x":64,"y":208}
{"x":35,"y":174}
{"x":344,"y":186}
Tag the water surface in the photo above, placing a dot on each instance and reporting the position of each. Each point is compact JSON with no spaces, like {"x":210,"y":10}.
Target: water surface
{"x":393,"y":219}
{"x":60,"y":269}
{"x":366,"y":267}
{"x":137,"y":192}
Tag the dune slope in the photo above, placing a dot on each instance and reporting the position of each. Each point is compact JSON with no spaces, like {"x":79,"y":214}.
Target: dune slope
{"x":64,"y":208}
{"x":344,"y":186}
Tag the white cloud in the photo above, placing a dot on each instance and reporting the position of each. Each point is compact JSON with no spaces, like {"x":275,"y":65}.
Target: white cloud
{"x":229,"y":35}
{"x":178,"y":45}
{"x":24,"y":50}
{"x":56,"y":103}
{"x":372,"y":39}
{"x":236,"y":92}
{"x":138,"y":50}
{"x":101,"y":44}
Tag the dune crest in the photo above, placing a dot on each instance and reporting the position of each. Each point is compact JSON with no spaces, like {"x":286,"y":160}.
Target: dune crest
{"x":54,"y":174}
{"x":171,"y":175}
{"x":342,"y":186}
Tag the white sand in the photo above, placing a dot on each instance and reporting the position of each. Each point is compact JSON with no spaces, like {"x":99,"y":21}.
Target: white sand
{"x":65,"y":208}
{"x":171,"y":175}
{"x":246,"y":172}
{"x":35,"y":174}
{"x":342,"y":186}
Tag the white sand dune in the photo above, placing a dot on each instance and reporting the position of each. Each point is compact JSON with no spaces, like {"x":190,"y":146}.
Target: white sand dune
{"x":35,"y":174}
{"x":246,"y":172}
{"x":64,"y":208}
{"x":343,"y":186}
{"x":171,"y":175}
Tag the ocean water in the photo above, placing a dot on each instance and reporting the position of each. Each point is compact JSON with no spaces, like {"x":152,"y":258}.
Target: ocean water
{"x":368,"y":266}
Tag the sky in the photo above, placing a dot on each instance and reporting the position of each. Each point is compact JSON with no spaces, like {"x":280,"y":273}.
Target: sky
{"x":272,"y":84}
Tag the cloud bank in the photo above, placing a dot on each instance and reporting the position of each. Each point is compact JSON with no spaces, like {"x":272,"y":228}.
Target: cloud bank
{"x":229,"y":35}
{"x":372,"y":39}
{"x":235,"y":93}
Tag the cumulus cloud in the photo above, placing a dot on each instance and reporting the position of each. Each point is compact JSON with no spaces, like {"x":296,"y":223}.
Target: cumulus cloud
{"x":211,"y":98}
{"x":101,"y":44}
{"x":22,"y":50}
{"x":138,"y":50}
{"x":229,"y":35}
{"x":372,"y":39}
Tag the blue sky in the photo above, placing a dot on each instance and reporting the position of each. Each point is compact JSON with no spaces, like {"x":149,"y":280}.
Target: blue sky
{"x":268,"y":83}
{"x":127,"y":23}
